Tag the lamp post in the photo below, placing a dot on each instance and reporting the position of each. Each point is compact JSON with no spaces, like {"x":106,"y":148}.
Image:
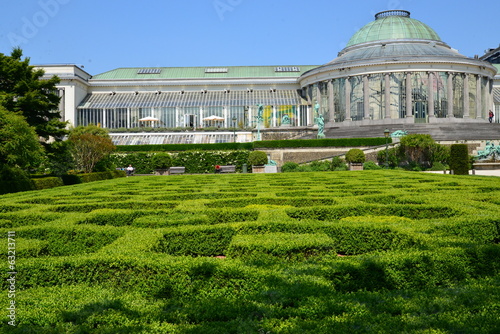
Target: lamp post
{"x":386,"y":134}
{"x":234,"y":128}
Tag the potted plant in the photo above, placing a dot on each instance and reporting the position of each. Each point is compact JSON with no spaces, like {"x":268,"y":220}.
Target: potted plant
{"x":161,"y":163}
{"x":355,"y":157}
{"x":257,"y":159}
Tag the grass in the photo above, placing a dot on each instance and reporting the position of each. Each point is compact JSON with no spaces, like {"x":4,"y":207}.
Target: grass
{"x":324,"y":252}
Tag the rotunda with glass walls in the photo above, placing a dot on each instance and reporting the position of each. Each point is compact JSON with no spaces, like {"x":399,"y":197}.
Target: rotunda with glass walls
{"x":397,"y":70}
{"x":394,"y":71}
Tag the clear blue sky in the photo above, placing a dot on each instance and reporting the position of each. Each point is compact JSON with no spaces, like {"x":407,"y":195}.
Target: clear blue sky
{"x":103,"y":35}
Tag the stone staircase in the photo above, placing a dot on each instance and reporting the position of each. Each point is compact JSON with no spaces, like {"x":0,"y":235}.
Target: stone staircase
{"x":438,"y":131}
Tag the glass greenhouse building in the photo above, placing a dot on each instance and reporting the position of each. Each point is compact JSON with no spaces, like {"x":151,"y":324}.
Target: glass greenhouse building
{"x":394,"y":70}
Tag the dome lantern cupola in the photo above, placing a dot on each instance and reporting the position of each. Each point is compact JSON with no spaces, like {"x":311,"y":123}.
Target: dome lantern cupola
{"x":393,"y":25}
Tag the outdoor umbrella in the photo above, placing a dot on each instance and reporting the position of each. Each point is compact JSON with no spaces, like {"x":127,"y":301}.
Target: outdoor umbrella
{"x":149,"y":119}
{"x":214,"y":118}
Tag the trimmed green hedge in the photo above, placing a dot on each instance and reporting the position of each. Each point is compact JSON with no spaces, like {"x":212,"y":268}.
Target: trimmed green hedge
{"x":379,"y":251}
{"x":459,"y":159}
{"x":47,"y":182}
{"x":408,"y":211}
{"x":196,"y":241}
{"x":64,"y":242}
{"x":91,"y":177}
{"x":328,"y":142}
{"x":282,"y":244}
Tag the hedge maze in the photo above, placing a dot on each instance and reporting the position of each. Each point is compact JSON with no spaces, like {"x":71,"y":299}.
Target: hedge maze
{"x":323,"y":252}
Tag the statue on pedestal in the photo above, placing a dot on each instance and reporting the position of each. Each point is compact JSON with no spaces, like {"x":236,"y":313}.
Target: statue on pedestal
{"x":320,"y":121}
{"x":490,"y":152}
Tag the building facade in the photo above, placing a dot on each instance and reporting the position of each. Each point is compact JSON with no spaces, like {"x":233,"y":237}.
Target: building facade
{"x":393,"y":70}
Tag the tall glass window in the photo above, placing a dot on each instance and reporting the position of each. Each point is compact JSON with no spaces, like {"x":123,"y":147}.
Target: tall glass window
{"x":376,"y":89}
{"x":472,"y":96}
{"x":357,"y":105}
{"x":167,"y":117}
{"x":239,"y":114}
{"x":116,"y":118}
{"x":339,"y":99}
{"x":441,"y":95}
{"x":89,"y":116}
{"x":458,"y":95}
{"x":419,"y":92}
{"x":323,"y":88}
{"x":485,"y":103}
{"x":398,"y":95}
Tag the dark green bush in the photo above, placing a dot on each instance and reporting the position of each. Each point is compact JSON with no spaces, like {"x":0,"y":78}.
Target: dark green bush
{"x":338,"y":164}
{"x":289,"y":167}
{"x":370,"y":165}
{"x":47,"y":182}
{"x":257,"y":158}
{"x":355,"y":155}
{"x":91,"y":177}
{"x":13,"y":180}
{"x":459,"y":159}
{"x":161,"y":161}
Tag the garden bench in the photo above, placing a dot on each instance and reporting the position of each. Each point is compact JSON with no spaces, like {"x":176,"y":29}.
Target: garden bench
{"x":177,"y":170}
{"x":228,"y":169}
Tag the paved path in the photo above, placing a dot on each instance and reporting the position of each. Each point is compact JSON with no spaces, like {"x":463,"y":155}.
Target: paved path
{"x":478,"y":172}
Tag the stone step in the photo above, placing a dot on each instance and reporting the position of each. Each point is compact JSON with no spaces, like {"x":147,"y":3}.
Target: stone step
{"x":439,"y":132}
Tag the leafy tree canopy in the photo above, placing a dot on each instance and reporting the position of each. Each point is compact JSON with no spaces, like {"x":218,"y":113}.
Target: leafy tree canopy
{"x":22,"y":89}
{"x":19,"y":145}
{"x":89,"y":144}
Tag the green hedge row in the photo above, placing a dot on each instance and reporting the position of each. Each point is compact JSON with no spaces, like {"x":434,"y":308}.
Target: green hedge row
{"x":62,"y":242}
{"x":15,"y":180}
{"x":91,"y":177}
{"x":296,"y":202}
{"x":365,"y":238}
{"x":408,"y":211}
{"x":394,"y":271}
{"x":113,"y":217}
{"x":417,"y":270}
{"x":195,"y":162}
{"x":328,"y":142}
{"x":286,"y":245}
{"x":47,"y":182}
{"x":196,"y":241}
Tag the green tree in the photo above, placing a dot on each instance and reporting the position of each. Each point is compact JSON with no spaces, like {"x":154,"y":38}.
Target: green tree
{"x":416,"y":150}
{"x":19,"y":145}
{"x":23,"y":89}
{"x":89,"y":144}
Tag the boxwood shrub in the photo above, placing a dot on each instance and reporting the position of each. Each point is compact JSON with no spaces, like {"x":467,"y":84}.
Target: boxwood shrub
{"x":281,"y":244}
{"x":196,"y":241}
{"x":47,"y":182}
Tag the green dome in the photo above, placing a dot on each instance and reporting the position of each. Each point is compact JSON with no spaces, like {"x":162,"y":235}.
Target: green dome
{"x":393,"y":25}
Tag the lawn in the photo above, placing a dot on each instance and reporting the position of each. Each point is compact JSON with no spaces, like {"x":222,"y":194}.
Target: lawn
{"x":324,"y":252}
